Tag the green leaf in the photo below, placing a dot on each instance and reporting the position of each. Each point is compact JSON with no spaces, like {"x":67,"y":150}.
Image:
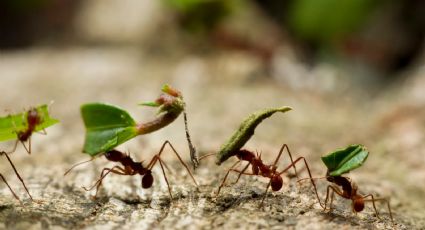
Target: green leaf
{"x":107,"y":126}
{"x":10,"y":125}
{"x":150,"y":103}
{"x":344,"y":160}
{"x":245,"y":132}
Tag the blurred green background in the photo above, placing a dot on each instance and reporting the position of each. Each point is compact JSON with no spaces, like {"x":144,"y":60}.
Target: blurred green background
{"x":380,"y":37}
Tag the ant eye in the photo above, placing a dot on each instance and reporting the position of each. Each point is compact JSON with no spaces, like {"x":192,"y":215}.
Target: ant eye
{"x":147,"y":180}
{"x":276,"y":183}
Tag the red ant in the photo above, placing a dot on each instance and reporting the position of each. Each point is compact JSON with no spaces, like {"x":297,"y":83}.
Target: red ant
{"x":19,"y":177}
{"x":33,"y":119}
{"x":132,"y":168}
{"x":349,"y":191}
{"x":264,"y":170}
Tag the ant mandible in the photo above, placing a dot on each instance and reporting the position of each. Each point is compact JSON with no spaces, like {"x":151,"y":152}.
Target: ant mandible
{"x":131,"y":168}
{"x":348,"y":190}
{"x":33,"y":119}
{"x":264,"y":170}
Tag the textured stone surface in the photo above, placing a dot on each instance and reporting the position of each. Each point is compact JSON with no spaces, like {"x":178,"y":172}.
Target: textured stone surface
{"x":218,"y":96}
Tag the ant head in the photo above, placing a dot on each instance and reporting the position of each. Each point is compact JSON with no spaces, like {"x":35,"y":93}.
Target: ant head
{"x":245,"y":155}
{"x":358,"y":204}
{"x":276,"y":182}
{"x":147,"y":180}
{"x":114,"y":155}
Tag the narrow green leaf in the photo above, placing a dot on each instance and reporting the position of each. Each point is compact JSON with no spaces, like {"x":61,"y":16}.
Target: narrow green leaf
{"x":10,"y":125}
{"x":245,"y":132}
{"x":150,"y":103}
{"x":344,"y":160}
{"x":107,"y":126}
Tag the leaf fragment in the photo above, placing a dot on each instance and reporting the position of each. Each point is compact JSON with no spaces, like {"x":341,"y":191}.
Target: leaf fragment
{"x":344,"y":160}
{"x":245,"y":132}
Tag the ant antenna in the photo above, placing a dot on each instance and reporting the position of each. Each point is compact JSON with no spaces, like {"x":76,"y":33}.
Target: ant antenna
{"x":206,"y":155}
{"x":192,"y":149}
{"x":69,"y":170}
{"x":313,"y":178}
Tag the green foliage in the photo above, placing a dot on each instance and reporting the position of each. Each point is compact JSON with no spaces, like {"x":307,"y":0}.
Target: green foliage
{"x":245,"y":132}
{"x":327,"y":20}
{"x":10,"y":125}
{"x":202,"y":16}
{"x":344,"y":160}
{"x":107,"y":126}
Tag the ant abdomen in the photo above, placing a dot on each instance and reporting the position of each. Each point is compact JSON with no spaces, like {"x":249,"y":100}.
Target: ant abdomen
{"x":358,"y":204}
{"x":276,"y":183}
{"x":147,"y":180}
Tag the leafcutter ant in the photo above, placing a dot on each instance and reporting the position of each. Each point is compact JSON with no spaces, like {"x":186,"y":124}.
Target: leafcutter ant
{"x":33,"y":119}
{"x":343,"y":161}
{"x":130,"y":168}
{"x":347,"y":189}
{"x":258,"y":168}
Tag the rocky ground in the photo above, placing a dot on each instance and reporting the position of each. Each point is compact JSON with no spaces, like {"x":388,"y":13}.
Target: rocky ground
{"x":220,"y":90}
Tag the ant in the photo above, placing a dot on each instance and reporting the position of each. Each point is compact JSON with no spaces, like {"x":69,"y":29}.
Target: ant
{"x":264,"y":170}
{"x":131,"y":168}
{"x":345,"y":188}
{"x":349,"y":191}
{"x":19,"y":177}
{"x":33,"y":119}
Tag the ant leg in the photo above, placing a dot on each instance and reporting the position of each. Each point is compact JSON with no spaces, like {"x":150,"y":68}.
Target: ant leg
{"x":265,"y":193}
{"x":225,"y":177}
{"x":373,"y":203}
{"x":14,"y":147}
{"x":153,"y":161}
{"x":379,"y":199}
{"x":242,"y":172}
{"x":14,"y":194}
{"x":274,"y":166}
{"x":25,"y":147}
{"x":167,"y":167}
{"x":309,"y":174}
{"x":29,"y":145}
{"x":333,"y":190}
{"x":165,"y":177}
{"x":19,"y":176}
{"x":290,"y":156}
{"x":98,"y":183}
